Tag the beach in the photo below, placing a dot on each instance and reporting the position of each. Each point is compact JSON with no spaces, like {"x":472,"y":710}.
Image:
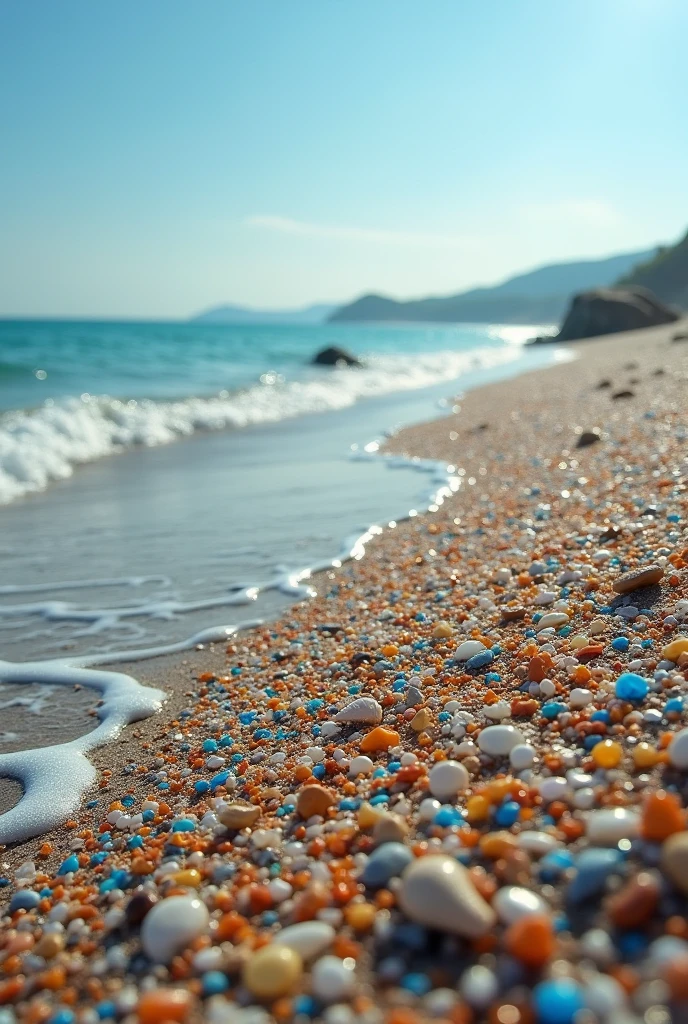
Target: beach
{"x":509,"y":765}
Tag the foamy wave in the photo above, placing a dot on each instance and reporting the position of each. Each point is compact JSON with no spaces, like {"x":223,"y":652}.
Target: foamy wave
{"x":46,"y":444}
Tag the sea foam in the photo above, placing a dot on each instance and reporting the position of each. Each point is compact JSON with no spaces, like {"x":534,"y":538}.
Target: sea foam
{"x":43,"y":445}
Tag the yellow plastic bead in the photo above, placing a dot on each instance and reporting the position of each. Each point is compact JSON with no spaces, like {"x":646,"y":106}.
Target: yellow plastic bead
{"x":390,"y":650}
{"x":674,"y":650}
{"x":645,"y":756}
{"x":477,"y":808}
{"x":272,"y":972}
{"x":189,"y":877}
{"x":367,"y":815}
{"x":360,"y":916}
{"x":607,"y":754}
{"x":498,"y":789}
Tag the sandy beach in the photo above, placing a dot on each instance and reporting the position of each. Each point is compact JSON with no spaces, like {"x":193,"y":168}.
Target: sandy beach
{"x":539,"y":526}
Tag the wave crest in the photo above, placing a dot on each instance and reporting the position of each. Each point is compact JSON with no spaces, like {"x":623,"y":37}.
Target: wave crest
{"x":44,"y":445}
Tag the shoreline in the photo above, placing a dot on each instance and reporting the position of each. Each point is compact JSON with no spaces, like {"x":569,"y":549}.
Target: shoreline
{"x":529,"y":494}
{"x":481,"y":435}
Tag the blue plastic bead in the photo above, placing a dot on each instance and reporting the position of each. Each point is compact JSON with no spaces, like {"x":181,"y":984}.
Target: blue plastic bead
{"x":25,"y":899}
{"x":480,"y":660}
{"x":385,"y":862}
{"x":557,"y":1001}
{"x":419,"y":984}
{"x":621,"y":643}
{"x":184,"y":825}
{"x":71,"y":864}
{"x":507,"y":814}
{"x":214,"y":982}
{"x":630,"y":686}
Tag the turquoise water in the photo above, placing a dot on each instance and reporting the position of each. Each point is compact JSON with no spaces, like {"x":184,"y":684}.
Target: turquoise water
{"x":114,"y":537}
{"x":49,"y":359}
{"x":73,"y":393}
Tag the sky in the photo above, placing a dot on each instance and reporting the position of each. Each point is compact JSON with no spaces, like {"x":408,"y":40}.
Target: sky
{"x":163,"y":157}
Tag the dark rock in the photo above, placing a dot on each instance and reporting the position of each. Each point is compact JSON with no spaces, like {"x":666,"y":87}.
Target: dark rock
{"x":335,"y":356}
{"x":587,"y":438}
{"x":140,"y":904}
{"x":606,"y":383}
{"x":608,"y":311}
{"x":627,"y":393}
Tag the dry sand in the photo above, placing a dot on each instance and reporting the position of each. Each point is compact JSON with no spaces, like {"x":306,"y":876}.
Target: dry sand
{"x":493,"y":427}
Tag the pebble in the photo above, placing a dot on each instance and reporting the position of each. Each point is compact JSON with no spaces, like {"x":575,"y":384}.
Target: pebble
{"x":499,"y":740}
{"x":606,"y":827}
{"x":514,"y":902}
{"x":646,"y":576}
{"x":314,"y":800}
{"x":307,"y":938}
{"x":468,"y":649}
{"x":438,"y":893}
{"x":171,"y":925}
{"x":674,"y":860}
{"x":447,"y":779}
{"x":593,"y":868}
{"x":678,"y":750}
{"x":272,"y":971}
{"x":333,"y":979}
{"x":361,"y":710}
{"x":386,"y":862}
{"x":522,"y":756}
{"x":239,"y":816}
{"x":553,"y":620}
{"x":674,"y":650}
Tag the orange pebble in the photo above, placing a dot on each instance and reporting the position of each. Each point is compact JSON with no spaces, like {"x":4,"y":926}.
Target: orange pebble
{"x":380,"y":738}
{"x":164,"y":1004}
{"x":531,"y":940}
{"x":662,"y":816}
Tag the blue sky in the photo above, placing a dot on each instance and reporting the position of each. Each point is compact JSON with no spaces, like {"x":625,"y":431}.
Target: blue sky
{"x":162,"y":156}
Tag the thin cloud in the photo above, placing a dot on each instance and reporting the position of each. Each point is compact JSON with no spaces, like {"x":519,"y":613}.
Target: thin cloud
{"x":588,"y":211}
{"x":288,"y":226}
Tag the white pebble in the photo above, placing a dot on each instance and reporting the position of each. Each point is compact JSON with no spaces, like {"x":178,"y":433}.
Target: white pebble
{"x":171,"y":925}
{"x":447,"y":779}
{"x":361,"y":765}
{"x":514,"y":902}
{"x":522,"y":756}
{"x":468,"y":649}
{"x":332,"y":979}
{"x":478,"y":986}
{"x":607,"y":826}
{"x":678,"y":750}
{"x":499,"y":740}
{"x":308,"y":938}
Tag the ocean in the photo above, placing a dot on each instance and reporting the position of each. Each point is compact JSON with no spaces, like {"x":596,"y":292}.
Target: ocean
{"x":157,"y":479}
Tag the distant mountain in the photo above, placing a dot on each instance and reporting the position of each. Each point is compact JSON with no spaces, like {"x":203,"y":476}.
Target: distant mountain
{"x":243,"y":315}
{"x":666,"y":274}
{"x":539,"y":296}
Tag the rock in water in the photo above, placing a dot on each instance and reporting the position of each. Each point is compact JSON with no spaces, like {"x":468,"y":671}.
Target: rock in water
{"x":437,"y":892}
{"x":608,"y":311}
{"x":171,"y":925}
{"x":335,"y":356}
